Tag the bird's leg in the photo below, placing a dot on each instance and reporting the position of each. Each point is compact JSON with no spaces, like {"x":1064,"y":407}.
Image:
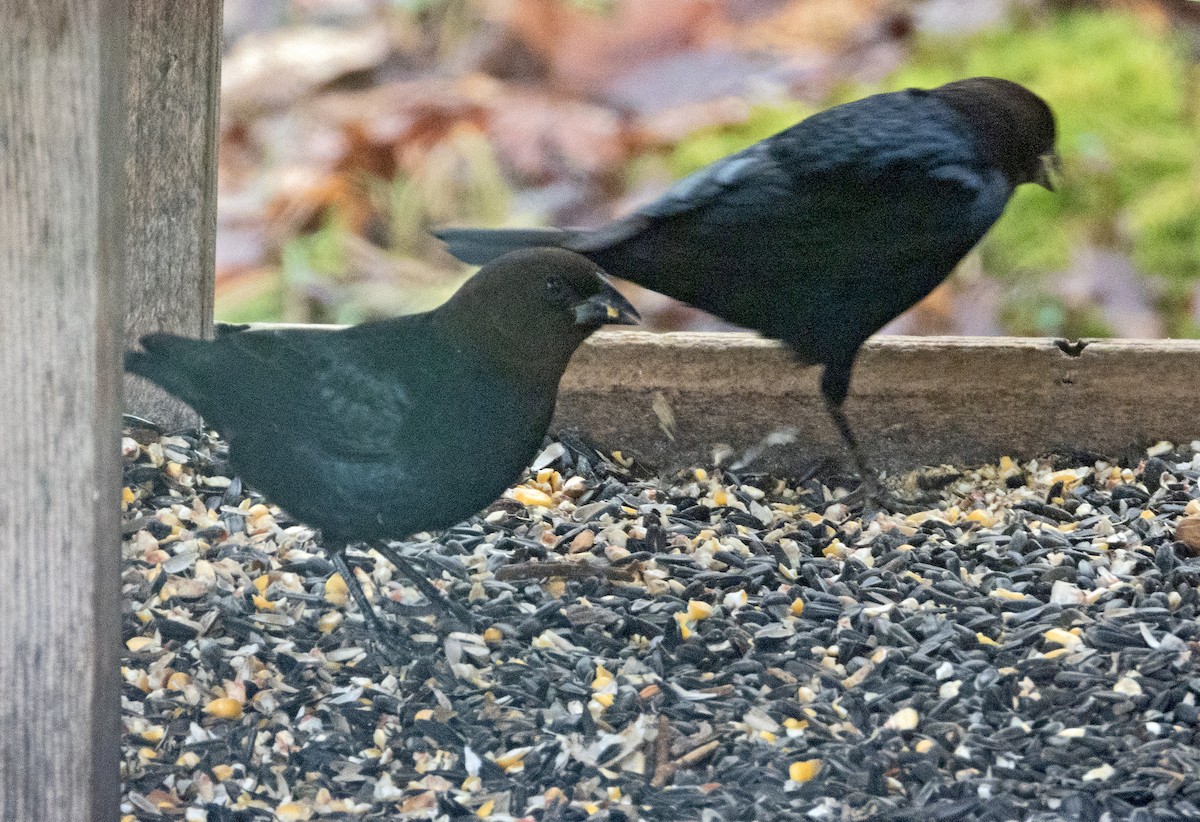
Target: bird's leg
{"x":835,"y":385}
{"x":376,"y":627}
{"x":436,"y":598}
{"x":869,"y":477}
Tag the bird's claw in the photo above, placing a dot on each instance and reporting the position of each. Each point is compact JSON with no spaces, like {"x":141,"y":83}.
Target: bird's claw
{"x":877,"y":498}
{"x":887,"y":500}
{"x":436,"y":599}
{"x":391,"y":645}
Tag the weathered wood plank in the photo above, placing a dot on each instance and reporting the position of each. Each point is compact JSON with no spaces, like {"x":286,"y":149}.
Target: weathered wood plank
{"x":173,"y":85}
{"x":913,"y":401}
{"x":61,"y":266}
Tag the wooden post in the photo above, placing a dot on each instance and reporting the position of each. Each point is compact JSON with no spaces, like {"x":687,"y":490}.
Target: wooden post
{"x":61,"y":267}
{"x":172,"y":88}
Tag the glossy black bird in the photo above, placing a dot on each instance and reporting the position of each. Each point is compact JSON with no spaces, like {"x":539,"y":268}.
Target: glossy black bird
{"x":410,"y":424}
{"x":821,"y":234}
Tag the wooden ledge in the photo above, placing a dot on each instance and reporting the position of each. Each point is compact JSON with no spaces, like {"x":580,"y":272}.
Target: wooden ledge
{"x":913,"y":401}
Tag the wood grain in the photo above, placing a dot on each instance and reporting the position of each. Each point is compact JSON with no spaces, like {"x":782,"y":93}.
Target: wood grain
{"x":173,"y":84}
{"x":914,"y":400}
{"x":61,"y":265}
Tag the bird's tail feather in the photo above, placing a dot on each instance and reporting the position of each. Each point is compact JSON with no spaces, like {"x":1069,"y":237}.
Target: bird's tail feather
{"x":478,"y":246}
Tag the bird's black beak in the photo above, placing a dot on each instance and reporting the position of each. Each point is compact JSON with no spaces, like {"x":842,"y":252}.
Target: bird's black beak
{"x":1049,"y":171}
{"x":606,"y":308}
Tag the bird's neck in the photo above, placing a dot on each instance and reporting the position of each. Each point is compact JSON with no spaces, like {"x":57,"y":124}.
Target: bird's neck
{"x":509,"y":348}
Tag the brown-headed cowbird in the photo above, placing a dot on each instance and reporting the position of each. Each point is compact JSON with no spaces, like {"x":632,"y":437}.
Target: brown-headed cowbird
{"x":821,"y":234}
{"x":384,"y":429}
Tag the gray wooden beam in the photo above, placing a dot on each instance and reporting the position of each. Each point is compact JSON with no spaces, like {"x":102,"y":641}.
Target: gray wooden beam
{"x":913,"y":401}
{"x":61,"y":267}
{"x":173,"y":85}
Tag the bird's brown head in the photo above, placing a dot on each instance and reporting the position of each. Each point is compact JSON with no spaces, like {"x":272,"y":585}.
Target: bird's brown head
{"x":530,"y":309}
{"x":1013,"y":125}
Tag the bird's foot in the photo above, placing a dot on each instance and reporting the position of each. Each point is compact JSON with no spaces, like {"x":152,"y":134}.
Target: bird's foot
{"x":437,"y":600}
{"x":390,"y":643}
{"x":878,"y":498}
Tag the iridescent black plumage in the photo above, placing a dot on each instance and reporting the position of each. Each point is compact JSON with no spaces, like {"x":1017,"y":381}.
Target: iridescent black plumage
{"x":409,"y":424}
{"x":823,"y":233}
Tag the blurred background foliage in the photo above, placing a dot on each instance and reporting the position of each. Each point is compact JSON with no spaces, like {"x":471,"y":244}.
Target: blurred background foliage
{"x":349,"y":128}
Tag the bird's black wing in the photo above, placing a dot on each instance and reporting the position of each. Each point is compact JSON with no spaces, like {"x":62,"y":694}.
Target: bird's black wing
{"x":288,"y":380}
{"x":746,"y":186}
{"x":928,"y":195}
{"x":348,"y":408}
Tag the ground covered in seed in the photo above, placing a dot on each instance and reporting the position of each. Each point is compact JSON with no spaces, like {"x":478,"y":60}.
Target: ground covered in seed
{"x":712,"y":645}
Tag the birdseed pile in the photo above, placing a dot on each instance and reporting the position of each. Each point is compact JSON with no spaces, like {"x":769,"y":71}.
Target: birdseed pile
{"x":707,"y":646}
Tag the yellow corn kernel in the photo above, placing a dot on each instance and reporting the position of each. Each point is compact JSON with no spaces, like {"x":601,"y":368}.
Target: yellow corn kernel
{"x":531,"y":497}
{"x":485,"y":810}
{"x":797,"y":607}
{"x":222,"y":772}
{"x":336,"y":590}
{"x":984,"y":639}
{"x":511,"y":759}
{"x":804,"y":770}
{"x":127,"y":495}
{"x":604,"y":699}
{"x":1060,"y":637}
{"x":834,"y":549}
{"x":681,"y":618}
{"x":154,"y":733}
{"x":293,"y":812}
{"x":720,"y":498}
{"x":698,"y":609}
{"x":493,"y":634}
{"x":224,"y":708}
{"x":603,"y":678}
{"x":983,"y":517}
{"x":137,"y":643}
